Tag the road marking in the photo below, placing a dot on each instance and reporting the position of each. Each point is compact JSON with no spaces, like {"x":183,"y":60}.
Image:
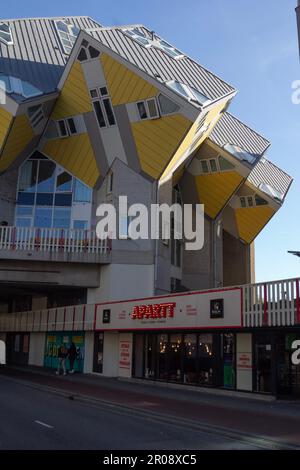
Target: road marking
{"x":44,"y":424}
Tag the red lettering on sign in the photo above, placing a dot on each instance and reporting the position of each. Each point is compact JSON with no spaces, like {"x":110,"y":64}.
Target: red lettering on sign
{"x":153,"y":311}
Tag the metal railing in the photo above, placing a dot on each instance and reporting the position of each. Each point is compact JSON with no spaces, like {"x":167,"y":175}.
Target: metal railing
{"x":274,"y":303}
{"x":52,"y":240}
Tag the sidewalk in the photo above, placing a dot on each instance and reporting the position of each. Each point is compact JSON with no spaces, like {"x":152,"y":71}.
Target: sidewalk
{"x":276,"y":420}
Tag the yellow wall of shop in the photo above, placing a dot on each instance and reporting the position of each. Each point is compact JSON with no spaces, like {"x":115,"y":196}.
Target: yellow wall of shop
{"x":5,"y":121}
{"x":76,"y":155}
{"x":74,"y":97}
{"x":251,"y":220}
{"x":214,"y":190}
{"x":213,"y":114}
{"x":156,"y":141}
{"x":124,"y":85}
{"x":20,"y":135}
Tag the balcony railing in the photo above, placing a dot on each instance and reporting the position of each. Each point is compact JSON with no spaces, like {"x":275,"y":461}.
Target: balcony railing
{"x":270,"y":304}
{"x":52,"y":240}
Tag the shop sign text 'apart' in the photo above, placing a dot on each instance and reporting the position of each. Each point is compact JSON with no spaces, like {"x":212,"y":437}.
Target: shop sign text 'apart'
{"x":153,"y":311}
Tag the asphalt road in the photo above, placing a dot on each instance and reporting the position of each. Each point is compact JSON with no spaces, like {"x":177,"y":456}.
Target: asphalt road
{"x":38,"y":420}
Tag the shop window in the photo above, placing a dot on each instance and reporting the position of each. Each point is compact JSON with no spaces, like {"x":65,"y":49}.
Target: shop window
{"x":205,"y":354}
{"x":190,"y":359}
{"x":175,"y":365}
{"x":162,"y":357}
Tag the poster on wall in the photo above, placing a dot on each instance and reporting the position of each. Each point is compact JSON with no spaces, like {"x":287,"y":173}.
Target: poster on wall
{"x":125,"y":355}
{"x":53,"y":343}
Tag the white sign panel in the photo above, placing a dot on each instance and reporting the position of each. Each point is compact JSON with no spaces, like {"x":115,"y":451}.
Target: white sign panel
{"x":211,"y":309}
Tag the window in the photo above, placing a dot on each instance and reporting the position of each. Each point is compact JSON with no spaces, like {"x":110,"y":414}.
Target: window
{"x":61,"y":218}
{"x":47,"y":195}
{"x":251,"y":201}
{"x":43,"y":217}
{"x":103,"y":107}
{"x":154,"y":41}
{"x":67,"y":127}
{"x":5,"y":34}
{"x":87,"y":53}
{"x":82,"y":192}
{"x":20,"y":87}
{"x":109,"y":186}
{"x":80,"y":224}
{"x":28,"y":176}
{"x":188,"y":92}
{"x":62,"y":128}
{"x":67,"y":34}
{"x":239,"y":153}
{"x":271,"y":191}
{"x":63,"y":182}
{"x":46,"y":180}
{"x":214,"y":165}
{"x":35,"y":114}
{"x":148,"y":109}
{"x":166,"y":106}
{"x":139,"y":36}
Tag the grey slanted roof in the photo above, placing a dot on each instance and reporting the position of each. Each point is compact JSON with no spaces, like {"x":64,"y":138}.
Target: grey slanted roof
{"x":230,"y":130}
{"x":159,"y":65}
{"x":265,"y":172}
{"x":36,"y":54}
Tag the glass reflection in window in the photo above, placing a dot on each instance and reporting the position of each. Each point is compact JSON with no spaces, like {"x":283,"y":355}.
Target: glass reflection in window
{"x":28,"y":176}
{"x":46,"y":176}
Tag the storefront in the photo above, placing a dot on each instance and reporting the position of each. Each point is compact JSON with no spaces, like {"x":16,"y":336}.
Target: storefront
{"x":53,"y":342}
{"x":185,"y":338}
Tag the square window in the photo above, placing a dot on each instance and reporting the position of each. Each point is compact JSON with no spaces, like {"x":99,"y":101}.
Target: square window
{"x":43,"y":217}
{"x":94,"y":93}
{"x":44,"y":199}
{"x":26,"y":199}
{"x":61,"y":218}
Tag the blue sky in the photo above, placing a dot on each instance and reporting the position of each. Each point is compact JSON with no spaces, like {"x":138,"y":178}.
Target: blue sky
{"x":253,"y":46}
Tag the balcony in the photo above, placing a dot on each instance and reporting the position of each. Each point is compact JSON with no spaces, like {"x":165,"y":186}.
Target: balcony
{"x":51,"y":244}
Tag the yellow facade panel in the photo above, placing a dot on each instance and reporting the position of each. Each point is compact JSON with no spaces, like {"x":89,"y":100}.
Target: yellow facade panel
{"x":156,"y":141}
{"x":212,"y":117}
{"x":5,"y":121}
{"x":214,"y":190}
{"x":124,"y":85}
{"x":76,"y":155}
{"x":20,"y":136}
{"x":74,"y":97}
{"x":251,"y":220}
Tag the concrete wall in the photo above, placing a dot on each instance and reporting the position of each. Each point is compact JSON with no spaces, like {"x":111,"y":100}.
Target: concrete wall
{"x":236,"y":261}
{"x":111,"y":354}
{"x":8,"y":185}
{"x":244,"y":361}
{"x":88,"y":352}
{"x":123,"y":281}
{"x":36,"y":349}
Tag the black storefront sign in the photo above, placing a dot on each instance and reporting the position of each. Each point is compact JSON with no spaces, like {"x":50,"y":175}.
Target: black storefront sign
{"x":106,"y":316}
{"x":217,"y":308}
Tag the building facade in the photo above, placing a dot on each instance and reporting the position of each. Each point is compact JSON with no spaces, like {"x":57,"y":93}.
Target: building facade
{"x":89,"y":114}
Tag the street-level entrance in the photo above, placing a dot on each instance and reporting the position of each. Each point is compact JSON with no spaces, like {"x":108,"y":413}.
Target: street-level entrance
{"x":190,"y":358}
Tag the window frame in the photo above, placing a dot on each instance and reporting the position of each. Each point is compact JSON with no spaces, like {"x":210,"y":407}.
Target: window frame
{"x":7,"y":43}
{"x":145,"y":103}
{"x":101,"y":98}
